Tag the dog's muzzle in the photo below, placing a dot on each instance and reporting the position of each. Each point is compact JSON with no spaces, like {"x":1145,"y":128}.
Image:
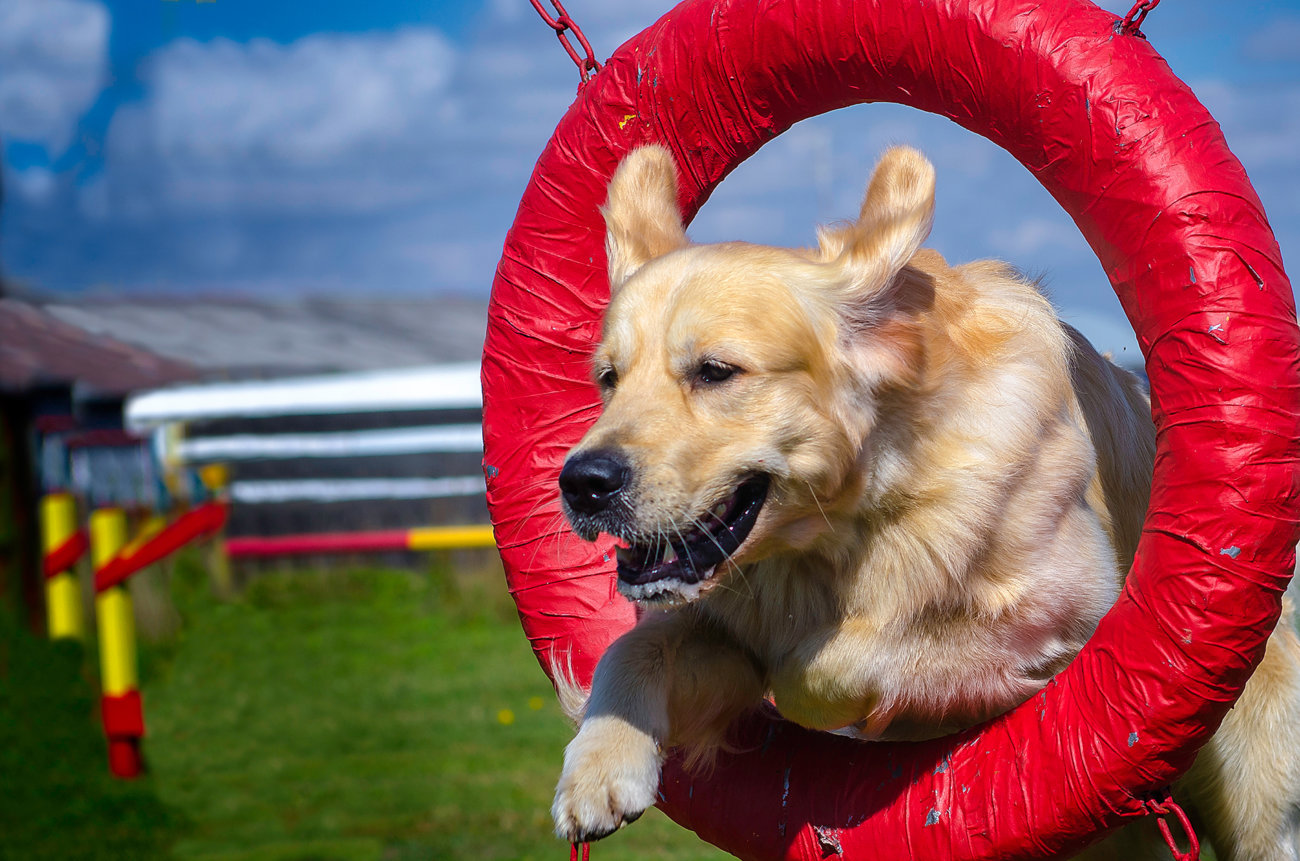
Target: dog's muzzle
{"x":595,"y":485}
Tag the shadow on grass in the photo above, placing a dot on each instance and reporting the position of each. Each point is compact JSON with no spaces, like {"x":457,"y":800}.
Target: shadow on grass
{"x":57,"y":799}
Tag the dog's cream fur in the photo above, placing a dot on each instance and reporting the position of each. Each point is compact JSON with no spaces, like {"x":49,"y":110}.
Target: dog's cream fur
{"x":956,"y":482}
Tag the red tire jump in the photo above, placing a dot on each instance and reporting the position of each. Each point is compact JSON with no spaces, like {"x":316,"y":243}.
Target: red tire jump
{"x":1142,"y":168}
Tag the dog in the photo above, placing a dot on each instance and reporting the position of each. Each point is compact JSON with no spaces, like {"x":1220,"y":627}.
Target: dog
{"x":893,"y":495}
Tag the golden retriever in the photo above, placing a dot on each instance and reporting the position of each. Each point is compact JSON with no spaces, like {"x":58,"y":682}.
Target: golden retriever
{"x":893,"y":495}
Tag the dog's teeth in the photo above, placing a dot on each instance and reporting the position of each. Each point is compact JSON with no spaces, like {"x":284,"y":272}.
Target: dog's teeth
{"x":719,"y":510}
{"x":670,"y":555}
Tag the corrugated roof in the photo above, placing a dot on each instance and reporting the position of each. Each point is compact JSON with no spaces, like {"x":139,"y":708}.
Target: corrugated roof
{"x":36,"y":348}
{"x":241,"y":339}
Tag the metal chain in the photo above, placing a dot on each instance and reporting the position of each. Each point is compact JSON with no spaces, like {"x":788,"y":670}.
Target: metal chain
{"x":1132,"y":23}
{"x":562,"y":23}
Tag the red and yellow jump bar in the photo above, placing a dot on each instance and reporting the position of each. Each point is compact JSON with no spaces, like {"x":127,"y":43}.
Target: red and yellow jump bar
{"x":423,"y":538}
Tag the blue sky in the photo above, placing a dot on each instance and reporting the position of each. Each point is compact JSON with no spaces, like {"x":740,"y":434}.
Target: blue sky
{"x":278,"y":147}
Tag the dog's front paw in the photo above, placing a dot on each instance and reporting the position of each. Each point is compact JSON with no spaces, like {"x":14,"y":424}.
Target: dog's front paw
{"x":611,"y":773}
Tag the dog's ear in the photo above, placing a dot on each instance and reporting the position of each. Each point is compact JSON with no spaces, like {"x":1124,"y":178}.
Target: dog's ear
{"x":642,"y":221}
{"x":878,"y":299}
{"x":896,"y":216}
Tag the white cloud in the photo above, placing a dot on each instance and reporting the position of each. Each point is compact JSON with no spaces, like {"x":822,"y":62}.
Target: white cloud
{"x":1276,"y":41}
{"x":1263,"y":129}
{"x":349,"y":124}
{"x":342,"y":122}
{"x":53,"y":63}
{"x":1032,"y":236}
{"x":319,"y":99}
{"x":378,"y":160}
{"x":749,"y":223}
{"x":36,"y":184}
{"x":813,"y":174}
{"x":395,"y":161}
{"x":458,"y":263}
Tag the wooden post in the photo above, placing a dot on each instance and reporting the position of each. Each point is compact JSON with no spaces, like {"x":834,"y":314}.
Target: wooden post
{"x":156,"y":617}
{"x":120,"y":698}
{"x":64,"y":617}
{"x":216,"y":479}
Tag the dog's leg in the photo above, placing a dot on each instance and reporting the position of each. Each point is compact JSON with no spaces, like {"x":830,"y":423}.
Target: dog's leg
{"x":1245,"y":783}
{"x":666,"y":682}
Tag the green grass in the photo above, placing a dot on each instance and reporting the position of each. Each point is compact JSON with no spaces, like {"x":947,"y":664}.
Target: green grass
{"x":57,"y":800}
{"x":352,"y":715}
{"x":321,"y":716}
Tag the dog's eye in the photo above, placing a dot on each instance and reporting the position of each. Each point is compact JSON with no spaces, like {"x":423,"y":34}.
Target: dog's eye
{"x":607,"y":378}
{"x":715,"y":372}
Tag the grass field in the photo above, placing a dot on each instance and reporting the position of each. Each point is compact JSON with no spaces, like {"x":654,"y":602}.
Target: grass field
{"x":336,"y":715}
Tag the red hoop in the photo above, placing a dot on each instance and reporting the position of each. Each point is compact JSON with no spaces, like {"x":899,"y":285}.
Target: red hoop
{"x":1127,"y":150}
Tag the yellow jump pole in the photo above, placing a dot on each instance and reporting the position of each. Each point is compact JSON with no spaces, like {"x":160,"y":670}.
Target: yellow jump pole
{"x":62,"y":590}
{"x":449,"y":537}
{"x":120,"y":699}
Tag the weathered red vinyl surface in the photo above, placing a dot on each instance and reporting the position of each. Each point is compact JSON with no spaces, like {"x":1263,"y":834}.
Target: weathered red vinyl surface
{"x":1130,"y":153}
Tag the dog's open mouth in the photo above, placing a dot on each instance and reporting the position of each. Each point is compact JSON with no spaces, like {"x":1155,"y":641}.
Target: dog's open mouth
{"x":691,"y":556}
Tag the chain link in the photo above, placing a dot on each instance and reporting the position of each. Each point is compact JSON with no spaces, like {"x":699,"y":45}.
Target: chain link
{"x":1162,"y":806}
{"x":563,"y":24}
{"x":1132,"y":23}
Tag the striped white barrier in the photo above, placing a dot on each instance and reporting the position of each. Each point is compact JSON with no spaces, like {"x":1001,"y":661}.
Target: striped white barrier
{"x":413,"y":440}
{"x":354,"y":489}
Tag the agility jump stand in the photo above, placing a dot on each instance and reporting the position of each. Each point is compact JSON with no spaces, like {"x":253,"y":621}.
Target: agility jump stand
{"x":389,"y":540}
{"x":120,"y":703}
{"x":115,"y":561}
{"x":63,"y":545}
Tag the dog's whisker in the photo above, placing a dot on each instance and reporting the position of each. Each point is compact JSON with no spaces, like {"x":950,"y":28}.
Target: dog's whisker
{"x":542,"y":501}
{"x":700,"y":527}
{"x":818,"y":503}
{"x":726,"y":557}
{"x":554,"y":532}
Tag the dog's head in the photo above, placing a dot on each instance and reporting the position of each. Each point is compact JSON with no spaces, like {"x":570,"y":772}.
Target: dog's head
{"x":740,"y":382}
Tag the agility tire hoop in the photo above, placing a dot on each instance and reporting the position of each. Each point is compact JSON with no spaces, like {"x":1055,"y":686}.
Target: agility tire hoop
{"x":1128,"y":151}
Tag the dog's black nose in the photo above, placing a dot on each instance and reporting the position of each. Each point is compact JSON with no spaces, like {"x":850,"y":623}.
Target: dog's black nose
{"x":589,"y":481}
